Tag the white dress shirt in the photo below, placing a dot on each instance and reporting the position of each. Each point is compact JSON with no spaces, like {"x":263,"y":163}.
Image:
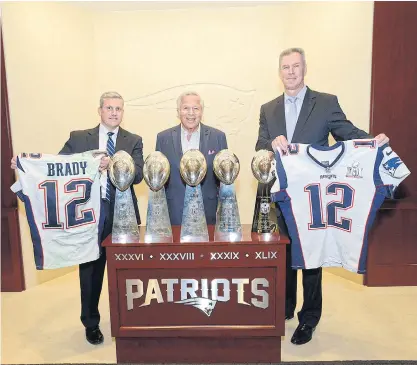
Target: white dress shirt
{"x":292,"y":111}
{"x":193,"y":143}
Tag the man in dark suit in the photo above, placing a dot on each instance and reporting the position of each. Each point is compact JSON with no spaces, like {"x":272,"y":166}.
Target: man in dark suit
{"x":303,"y":115}
{"x":91,"y":273}
{"x":174,"y":142}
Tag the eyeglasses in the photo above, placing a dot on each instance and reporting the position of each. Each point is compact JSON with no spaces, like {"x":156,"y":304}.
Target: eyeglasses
{"x":111,"y":109}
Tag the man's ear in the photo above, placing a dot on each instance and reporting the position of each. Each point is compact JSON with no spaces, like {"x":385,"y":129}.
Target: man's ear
{"x":99,"y":111}
{"x":305,"y":69}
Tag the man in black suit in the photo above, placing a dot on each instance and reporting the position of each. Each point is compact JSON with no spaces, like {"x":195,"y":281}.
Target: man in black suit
{"x":91,"y":273}
{"x":302,"y":115}
{"x":175,"y":141}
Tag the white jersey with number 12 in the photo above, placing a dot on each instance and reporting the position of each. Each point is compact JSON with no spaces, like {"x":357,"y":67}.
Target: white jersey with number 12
{"x":62,"y":200}
{"x":329,"y":197}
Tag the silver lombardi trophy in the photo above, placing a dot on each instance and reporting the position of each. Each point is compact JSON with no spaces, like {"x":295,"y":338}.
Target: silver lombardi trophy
{"x":156,"y":172}
{"x":122,"y":174}
{"x":228,"y":228}
{"x":193,"y":168}
{"x":264,"y":172}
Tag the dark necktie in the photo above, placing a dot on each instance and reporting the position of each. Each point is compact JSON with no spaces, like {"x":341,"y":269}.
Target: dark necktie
{"x":110,"y":151}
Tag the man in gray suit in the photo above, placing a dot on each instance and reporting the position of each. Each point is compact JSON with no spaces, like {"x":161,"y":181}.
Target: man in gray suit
{"x":107,"y":132}
{"x":303,"y":115}
{"x":175,"y":141}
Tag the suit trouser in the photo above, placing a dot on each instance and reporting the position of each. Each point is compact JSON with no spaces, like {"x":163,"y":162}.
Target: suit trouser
{"x":91,"y":276}
{"x":310,"y":312}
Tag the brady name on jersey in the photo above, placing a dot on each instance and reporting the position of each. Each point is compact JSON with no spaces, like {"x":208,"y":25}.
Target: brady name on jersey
{"x":67,"y":169}
{"x":62,"y":201}
{"x":329,"y":197}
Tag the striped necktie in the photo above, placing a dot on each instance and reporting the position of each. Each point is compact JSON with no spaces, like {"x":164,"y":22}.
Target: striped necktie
{"x":110,"y":151}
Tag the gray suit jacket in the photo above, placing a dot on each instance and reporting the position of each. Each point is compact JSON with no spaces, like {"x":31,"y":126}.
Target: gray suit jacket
{"x":320,"y":115}
{"x":86,"y":140}
{"x":169,"y":143}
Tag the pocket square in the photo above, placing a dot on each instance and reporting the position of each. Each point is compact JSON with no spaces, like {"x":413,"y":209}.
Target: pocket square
{"x":211,"y":152}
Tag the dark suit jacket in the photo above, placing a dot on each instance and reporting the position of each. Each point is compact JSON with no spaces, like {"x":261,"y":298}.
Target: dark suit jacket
{"x":86,"y":140}
{"x":169,"y":143}
{"x":320,"y":115}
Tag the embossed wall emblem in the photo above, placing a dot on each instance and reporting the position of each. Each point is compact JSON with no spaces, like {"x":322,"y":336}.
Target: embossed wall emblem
{"x":225,"y":106}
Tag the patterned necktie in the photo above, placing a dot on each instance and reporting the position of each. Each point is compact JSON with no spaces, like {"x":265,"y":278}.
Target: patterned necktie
{"x":291,"y":118}
{"x":189,"y":136}
{"x":110,"y":151}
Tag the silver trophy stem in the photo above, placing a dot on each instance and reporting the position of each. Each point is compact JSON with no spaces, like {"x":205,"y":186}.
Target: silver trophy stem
{"x":228,"y":227}
{"x":194,"y":225}
{"x":158,"y":224}
{"x":125,"y":225}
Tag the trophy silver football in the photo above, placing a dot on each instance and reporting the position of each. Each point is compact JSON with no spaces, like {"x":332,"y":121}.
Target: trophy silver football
{"x":226,"y":166}
{"x":122,"y":174}
{"x":263,"y":168}
{"x":156,"y":171}
{"x":193,"y":168}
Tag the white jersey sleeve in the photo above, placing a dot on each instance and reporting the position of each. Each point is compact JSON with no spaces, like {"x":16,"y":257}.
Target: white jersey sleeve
{"x":62,"y":199}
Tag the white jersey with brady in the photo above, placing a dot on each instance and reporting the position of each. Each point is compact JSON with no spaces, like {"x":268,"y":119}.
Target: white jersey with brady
{"x":329,"y":197}
{"x":62,"y":200}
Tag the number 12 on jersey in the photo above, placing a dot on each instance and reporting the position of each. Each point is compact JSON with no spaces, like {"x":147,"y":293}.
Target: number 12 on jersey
{"x":52,"y":201}
{"x":323,"y":217}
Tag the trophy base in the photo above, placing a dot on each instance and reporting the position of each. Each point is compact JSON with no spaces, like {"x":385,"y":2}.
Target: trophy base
{"x":152,"y":238}
{"x":125,"y":225}
{"x":194,"y":225}
{"x":227,"y":236}
{"x":265,"y":237}
{"x":228,"y":227}
{"x":185,"y":239}
{"x":125,"y":238}
{"x":158,"y":225}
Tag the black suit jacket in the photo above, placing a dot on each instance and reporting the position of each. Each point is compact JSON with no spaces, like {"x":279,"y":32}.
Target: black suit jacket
{"x":320,"y":115}
{"x":86,"y":140}
{"x":168,"y":142}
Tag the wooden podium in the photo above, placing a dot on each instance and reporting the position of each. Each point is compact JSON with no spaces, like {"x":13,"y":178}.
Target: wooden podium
{"x":212,"y":302}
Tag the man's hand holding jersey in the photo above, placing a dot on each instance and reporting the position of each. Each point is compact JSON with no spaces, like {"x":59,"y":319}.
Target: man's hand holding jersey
{"x":282,"y":143}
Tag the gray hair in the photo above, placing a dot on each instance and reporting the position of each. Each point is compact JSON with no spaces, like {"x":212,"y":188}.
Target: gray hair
{"x":186,"y":93}
{"x":288,"y":51}
{"x":109,"y":95}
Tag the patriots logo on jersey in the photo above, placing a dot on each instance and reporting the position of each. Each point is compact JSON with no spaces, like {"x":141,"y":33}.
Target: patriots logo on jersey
{"x":392,"y":165}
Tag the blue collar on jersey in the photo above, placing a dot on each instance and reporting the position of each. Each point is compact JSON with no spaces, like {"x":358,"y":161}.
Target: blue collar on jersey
{"x":324,"y":148}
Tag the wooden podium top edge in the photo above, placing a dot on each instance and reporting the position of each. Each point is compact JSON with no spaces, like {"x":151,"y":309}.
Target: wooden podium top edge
{"x":248,"y":237}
